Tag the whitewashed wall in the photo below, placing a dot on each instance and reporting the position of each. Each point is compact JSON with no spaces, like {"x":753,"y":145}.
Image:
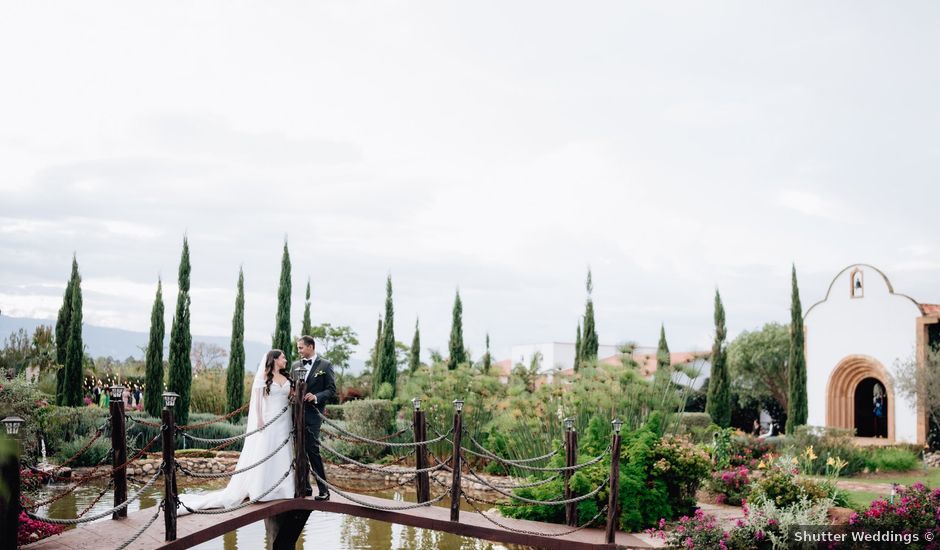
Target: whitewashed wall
{"x":880,"y":325}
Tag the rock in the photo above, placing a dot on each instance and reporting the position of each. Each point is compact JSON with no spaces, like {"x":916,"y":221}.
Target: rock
{"x":148,"y":468}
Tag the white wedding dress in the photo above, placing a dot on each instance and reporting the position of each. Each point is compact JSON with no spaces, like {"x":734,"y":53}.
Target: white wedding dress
{"x":253,"y":483}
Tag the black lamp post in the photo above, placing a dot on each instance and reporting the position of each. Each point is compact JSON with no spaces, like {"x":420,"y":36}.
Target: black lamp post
{"x":10,"y":473}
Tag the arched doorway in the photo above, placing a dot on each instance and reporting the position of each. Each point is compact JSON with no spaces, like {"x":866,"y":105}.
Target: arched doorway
{"x":850,"y":397}
{"x":871,"y":409}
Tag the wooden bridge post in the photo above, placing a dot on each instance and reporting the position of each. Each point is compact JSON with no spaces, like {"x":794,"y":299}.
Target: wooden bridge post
{"x":301,"y":466}
{"x":455,"y":463}
{"x":169,"y":465}
{"x":614,"y":483}
{"x":119,"y":448}
{"x":420,"y":430}
{"x":571,"y":458}
{"x":10,"y":475}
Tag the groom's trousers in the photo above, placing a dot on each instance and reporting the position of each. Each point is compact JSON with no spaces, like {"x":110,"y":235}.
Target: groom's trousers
{"x":312,"y":447}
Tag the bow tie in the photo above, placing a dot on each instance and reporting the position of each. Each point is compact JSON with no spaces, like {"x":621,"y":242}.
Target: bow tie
{"x":307,"y":362}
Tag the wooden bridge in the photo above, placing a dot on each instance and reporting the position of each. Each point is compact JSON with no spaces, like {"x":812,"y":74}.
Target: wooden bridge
{"x":290,"y":515}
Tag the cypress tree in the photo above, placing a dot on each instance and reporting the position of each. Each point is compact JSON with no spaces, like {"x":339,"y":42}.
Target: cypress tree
{"x":235,"y":377}
{"x":458,"y":354}
{"x":153,"y":378}
{"x":663,"y":361}
{"x":75,"y":350}
{"x":414,"y":355}
{"x":62,"y":327}
{"x":307,"y":327}
{"x":718,"y":403}
{"x":589,"y":343}
{"x":376,"y":351}
{"x":577,"y":349}
{"x":282,"y":336}
{"x":487,"y":358}
{"x":797,"y":403}
{"x":388,"y":364}
{"x":181,"y":343}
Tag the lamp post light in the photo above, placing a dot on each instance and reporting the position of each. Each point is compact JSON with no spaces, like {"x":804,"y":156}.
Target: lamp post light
{"x":416,"y":403}
{"x":458,"y":405}
{"x":169,"y":399}
{"x":10,"y":475}
{"x":617,"y":424}
{"x":569,"y":424}
{"x":12,"y":424}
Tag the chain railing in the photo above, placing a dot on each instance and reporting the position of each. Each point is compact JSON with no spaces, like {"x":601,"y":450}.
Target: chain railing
{"x":190,"y":473}
{"x":240,"y":436}
{"x":99,"y":515}
{"x":258,"y":498}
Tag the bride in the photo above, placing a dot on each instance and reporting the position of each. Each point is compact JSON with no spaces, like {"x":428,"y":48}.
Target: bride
{"x":270,"y":393}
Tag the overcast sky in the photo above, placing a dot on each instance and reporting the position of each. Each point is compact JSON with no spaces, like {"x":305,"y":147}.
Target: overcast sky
{"x":498,"y":147}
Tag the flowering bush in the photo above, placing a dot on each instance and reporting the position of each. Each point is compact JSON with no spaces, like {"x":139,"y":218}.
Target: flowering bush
{"x":730,"y":486}
{"x":31,"y":480}
{"x":682,"y":465}
{"x":781,"y":485}
{"x":749,"y":451}
{"x":914,"y":509}
{"x":697,"y":531}
{"x":30,"y":530}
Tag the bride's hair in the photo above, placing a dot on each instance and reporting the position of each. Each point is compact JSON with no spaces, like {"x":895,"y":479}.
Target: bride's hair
{"x":269,"y":362}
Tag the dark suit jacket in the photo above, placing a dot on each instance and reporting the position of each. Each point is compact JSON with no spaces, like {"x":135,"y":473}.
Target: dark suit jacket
{"x":320,"y":382}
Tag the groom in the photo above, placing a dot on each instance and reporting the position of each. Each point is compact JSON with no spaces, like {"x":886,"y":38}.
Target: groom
{"x":320,"y":389}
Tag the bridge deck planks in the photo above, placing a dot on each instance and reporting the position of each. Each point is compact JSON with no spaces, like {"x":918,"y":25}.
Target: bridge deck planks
{"x":195,"y":529}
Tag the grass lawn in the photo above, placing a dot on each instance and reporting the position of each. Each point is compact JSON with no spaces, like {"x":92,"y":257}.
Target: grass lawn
{"x":859,"y":500}
{"x":930,"y":477}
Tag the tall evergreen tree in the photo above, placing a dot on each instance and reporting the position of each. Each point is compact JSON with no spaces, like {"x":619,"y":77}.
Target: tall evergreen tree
{"x":663,"y":361}
{"x":307,"y":327}
{"x":181,"y":343}
{"x":235,"y":376}
{"x":282,"y":336}
{"x":487,"y":358}
{"x":577,"y":348}
{"x":75,"y":350}
{"x":589,"y":342}
{"x":153,"y":377}
{"x":388,"y":364}
{"x":458,"y":354}
{"x":797,"y":402}
{"x":718,"y":401}
{"x":62,"y":326}
{"x":376,"y":350}
{"x":414,"y":355}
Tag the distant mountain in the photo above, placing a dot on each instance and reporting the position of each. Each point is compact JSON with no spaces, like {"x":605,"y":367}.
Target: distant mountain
{"x":121,"y":344}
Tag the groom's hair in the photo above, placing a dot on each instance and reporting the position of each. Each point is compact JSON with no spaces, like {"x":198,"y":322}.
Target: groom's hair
{"x":308,"y":340}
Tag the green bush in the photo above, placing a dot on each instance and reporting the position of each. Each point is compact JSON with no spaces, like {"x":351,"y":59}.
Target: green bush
{"x":697,"y":425}
{"x":335,"y":412}
{"x":781,"y":485}
{"x":20,"y":398}
{"x":371,"y":418}
{"x":139,"y":434}
{"x":682,"y":466}
{"x":825,"y":443}
{"x":61,"y":426}
{"x":208,"y":393}
{"x":90,"y":457}
{"x":891,"y":459}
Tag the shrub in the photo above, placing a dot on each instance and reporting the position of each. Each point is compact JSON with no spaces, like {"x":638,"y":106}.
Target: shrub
{"x":826,"y":443}
{"x":139,"y":434}
{"x":29,"y":530}
{"x":748,"y":451}
{"x":914,"y":509}
{"x":208,"y":393}
{"x":92,"y":456}
{"x":334,"y":412}
{"x":730,"y":486}
{"x":60,"y":426}
{"x":781,"y":485}
{"x":682,"y":466}
{"x":20,"y":398}
{"x":372,"y":418}
{"x":891,"y":459}
{"x":697,"y":425}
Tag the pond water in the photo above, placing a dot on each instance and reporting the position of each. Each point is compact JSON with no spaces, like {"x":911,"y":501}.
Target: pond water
{"x":323,"y":530}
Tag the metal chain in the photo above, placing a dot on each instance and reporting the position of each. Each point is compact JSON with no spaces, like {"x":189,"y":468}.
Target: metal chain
{"x":380,"y":489}
{"x":545,"y":502}
{"x":143,"y":422}
{"x":469,"y":500}
{"x":513,"y":462}
{"x":576,"y":467}
{"x":227,"y":474}
{"x":215,"y":420}
{"x":242,"y":505}
{"x":348,"y":496}
{"x":145,"y":527}
{"x":100,"y":515}
{"x":528,"y":485}
{"x":383,"y":440}
{"x":364,"y":439}
{"x":369,"y":466}
{"x":242,"y":436}
{"x":97,"y":499}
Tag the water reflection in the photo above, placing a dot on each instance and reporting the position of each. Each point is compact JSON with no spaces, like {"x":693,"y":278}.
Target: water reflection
{"x":321,"y":531}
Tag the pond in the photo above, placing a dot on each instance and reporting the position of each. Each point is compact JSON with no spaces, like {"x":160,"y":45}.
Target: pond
{"x":323,"y":530}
